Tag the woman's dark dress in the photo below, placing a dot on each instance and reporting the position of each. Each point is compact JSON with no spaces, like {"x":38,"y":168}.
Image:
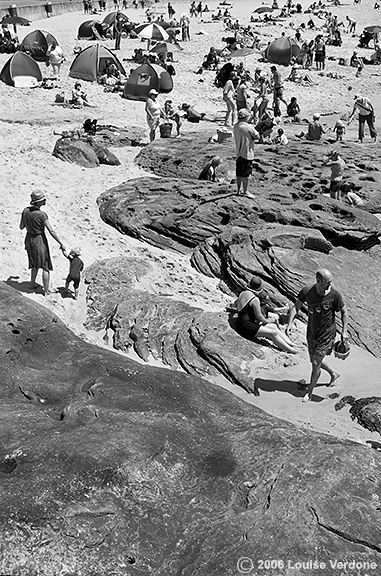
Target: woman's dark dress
{"x":36,"y":243}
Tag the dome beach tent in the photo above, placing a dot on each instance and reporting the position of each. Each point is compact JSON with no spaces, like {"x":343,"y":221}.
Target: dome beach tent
{"x":90,"y":63}
{"x":36,"y":44}
{"x":91,"y":30}
{"x":281,"y":50}
{"x":145,"y":78}
{"x":21,"y":71}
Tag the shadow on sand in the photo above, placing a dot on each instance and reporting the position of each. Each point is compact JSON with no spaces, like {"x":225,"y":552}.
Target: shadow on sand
{"x":296,"y":389}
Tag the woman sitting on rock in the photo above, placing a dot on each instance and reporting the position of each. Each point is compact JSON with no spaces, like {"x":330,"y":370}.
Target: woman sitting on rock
{"x":252,"y":317}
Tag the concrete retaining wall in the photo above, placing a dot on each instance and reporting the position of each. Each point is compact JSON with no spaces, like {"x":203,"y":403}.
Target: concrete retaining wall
{"x":39,"y":11}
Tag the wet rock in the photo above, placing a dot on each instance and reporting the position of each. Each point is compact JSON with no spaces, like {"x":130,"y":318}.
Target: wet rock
{"x":170,"y":470}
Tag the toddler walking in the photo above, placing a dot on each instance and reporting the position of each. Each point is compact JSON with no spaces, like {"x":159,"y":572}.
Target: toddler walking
{"x":76,"y":267}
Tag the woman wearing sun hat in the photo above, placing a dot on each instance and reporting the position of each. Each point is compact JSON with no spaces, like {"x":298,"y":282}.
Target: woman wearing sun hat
{"x":252,"y":321}
{"x":153,"y":112}
{"x":36,"y":244}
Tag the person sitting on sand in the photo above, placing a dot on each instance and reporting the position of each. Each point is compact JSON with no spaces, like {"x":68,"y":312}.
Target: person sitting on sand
{"x":211,"y":60}
{"x":265,"y":127}
{"x":209,"y":170}
{"x":78,"y":96}
{"x":315,"y":129}
{"x":76,"y":267}
{"x":293,"y":110}
{"x":252,"y":319}
{"x":281,"y":138}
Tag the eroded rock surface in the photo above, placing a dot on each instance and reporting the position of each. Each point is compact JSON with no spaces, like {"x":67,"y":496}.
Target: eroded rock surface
{"x":172,"y":331}
{"x":86,"y":152}
{"x":299,"y":169}
{"x":128,"y":469}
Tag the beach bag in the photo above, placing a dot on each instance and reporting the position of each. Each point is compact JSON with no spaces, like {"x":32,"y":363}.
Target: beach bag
{"x":60,"y":98}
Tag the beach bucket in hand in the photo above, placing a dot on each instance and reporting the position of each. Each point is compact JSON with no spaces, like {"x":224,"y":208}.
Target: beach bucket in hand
{"x":165,"y":130}
{"x":341,"y":350}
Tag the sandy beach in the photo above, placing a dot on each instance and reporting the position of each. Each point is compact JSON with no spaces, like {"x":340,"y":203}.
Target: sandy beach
{"x":29,"y":120}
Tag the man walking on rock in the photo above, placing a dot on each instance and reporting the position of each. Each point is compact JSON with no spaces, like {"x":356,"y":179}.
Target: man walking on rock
{"x":244,"y":136}
{"x":323,"y":302}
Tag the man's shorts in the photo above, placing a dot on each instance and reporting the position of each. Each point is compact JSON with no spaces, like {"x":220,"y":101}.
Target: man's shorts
{"x":335,"y":185}
{"x":243,"y":167}
{"x":320,"y":349}
{"x":278,"y":92}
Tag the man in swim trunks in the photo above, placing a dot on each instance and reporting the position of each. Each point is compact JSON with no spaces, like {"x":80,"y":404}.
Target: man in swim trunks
{"x":244,"y":135}
{"x":323,"y":302}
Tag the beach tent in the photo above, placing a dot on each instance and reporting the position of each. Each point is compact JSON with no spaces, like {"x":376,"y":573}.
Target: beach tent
{"x":145,"y":78}
{"x":91,"y":30}
{"x":90,"y":63}
{"x":21,"y":71}
{"x":36,"y":44}
{"x":281,"y":50}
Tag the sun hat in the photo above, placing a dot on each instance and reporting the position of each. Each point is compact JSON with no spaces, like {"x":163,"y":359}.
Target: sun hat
{"x":37,"y":196}
{"x":76,"y":251}
{"x":243,"y":114}
{"x":316,"y":116}
{"x":153,"y":92}
{"x":255,"y":284}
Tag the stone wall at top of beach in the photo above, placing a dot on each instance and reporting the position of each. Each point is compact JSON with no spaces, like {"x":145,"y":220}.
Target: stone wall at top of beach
{"x":39,"y":11}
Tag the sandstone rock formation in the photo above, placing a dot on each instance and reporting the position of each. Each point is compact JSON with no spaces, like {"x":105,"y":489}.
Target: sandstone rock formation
{"x":281,"y":234}
{"x":85,"y":152}
{"x":300,"y":169}
{"x":111,"y":467}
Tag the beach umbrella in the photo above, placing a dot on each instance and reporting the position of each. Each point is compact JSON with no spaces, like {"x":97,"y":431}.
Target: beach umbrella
{"x":17,"y":20}
{"x":281,"y":50}
{"x":162,"y":48}
{"x":243,"y":52}
{"x":109,"y":20}
{"x":151,"y":32}
{"x":261,"y":9}
{"x":373,"y":29}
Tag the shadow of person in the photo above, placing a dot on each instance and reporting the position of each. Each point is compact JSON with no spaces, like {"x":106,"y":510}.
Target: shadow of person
{"x":65,"y":293}
{"x":295,"y":388}
{"x":23,"y":286}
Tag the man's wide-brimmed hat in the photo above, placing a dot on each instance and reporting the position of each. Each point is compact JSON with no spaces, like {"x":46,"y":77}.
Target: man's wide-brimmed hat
{"x":153,"y":92}
{"x":316,"y":116}
{"x":37,"y":196}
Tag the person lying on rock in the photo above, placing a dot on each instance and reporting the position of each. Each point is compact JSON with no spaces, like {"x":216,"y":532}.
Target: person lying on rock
{"x":253,"y":321}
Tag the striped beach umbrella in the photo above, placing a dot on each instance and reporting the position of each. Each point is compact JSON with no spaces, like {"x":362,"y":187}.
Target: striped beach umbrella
{"x":151,"y":32}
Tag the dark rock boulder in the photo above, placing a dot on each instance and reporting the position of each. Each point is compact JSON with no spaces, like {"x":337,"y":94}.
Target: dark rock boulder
{"x":177,"y":334}
{"x":131,"y":469}
{"x":286,"y":267}
{"x":85,"y":152}
{"x":179,"y":214}
{"x":299,"y":168}
{"x":108,"y":135}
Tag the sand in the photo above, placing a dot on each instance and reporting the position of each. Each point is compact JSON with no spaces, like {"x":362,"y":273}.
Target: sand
{"x":28,"y":120}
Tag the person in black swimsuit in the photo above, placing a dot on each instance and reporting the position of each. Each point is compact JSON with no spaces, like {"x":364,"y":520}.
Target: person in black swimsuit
{"x":252,"y":321}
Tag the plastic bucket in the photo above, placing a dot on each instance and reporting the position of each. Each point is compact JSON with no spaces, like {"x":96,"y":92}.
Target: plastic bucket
{"x":49,"y":8}
{"x":223,"y":135}
{"x":12,"y":10}
{"x":165,"y":130}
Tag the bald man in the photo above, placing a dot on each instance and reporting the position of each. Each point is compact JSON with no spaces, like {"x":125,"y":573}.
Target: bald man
{"x":323,"y":302}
